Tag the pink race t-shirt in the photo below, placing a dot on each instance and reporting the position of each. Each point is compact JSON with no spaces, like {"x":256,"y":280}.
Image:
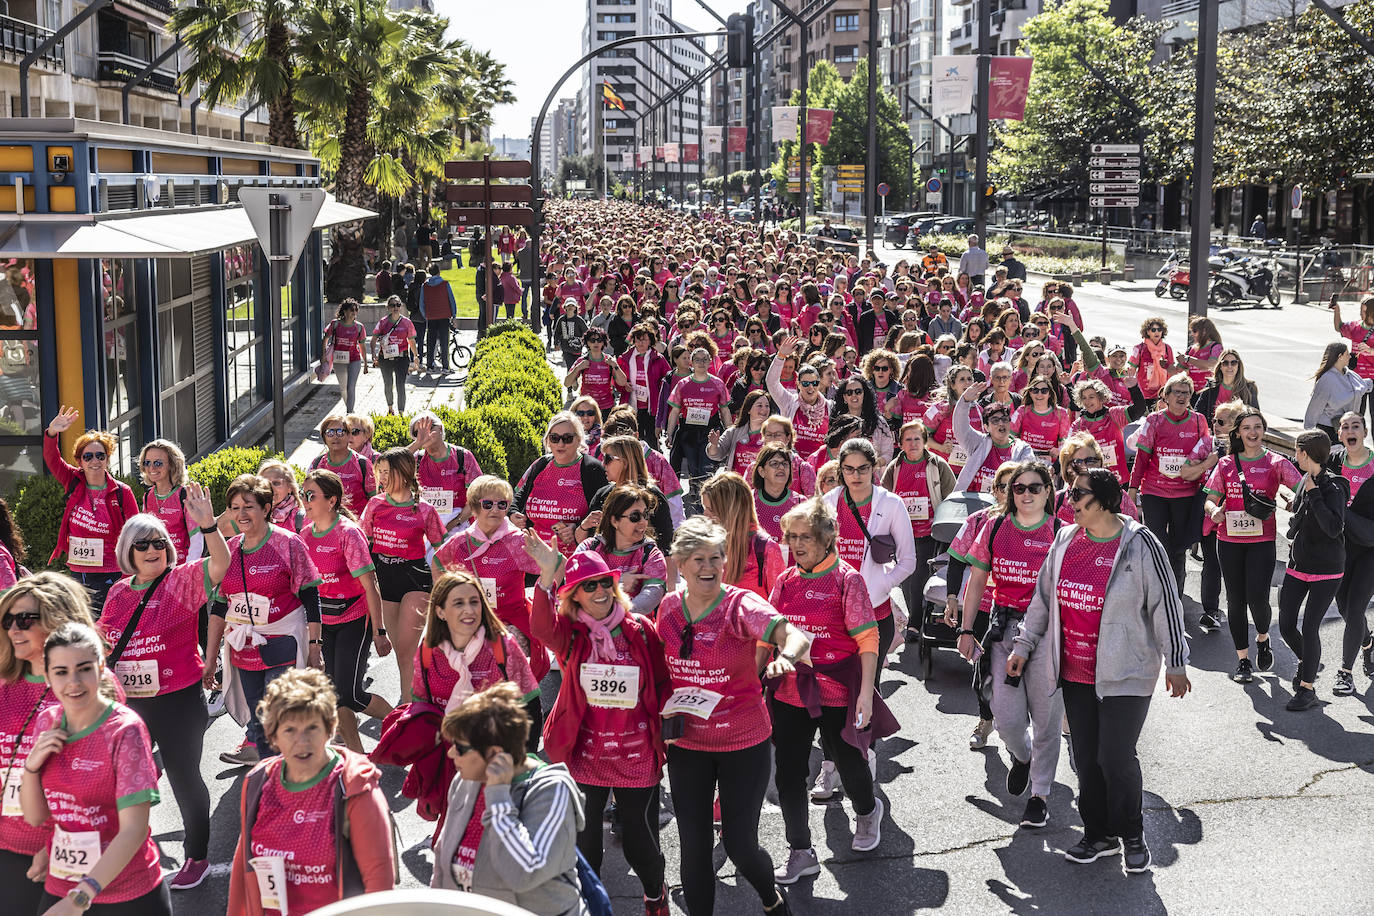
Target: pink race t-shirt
{"x":9,"y":569}
{"x":852,"y":545}
{"x":760,"y":583}
{"x":278,"y":569}
{"x":643,"y":559}
{"x":340,"y":554}
{"x":597,"y":382}
{"x":913,"y":487}
{"x":1015,"y":559}
{"x":720,"y":667}
{"x":1265,"y":475}
{"x":358,"y":486}
{"x":811,"y":425}
{"x":1081,"y":591}
{"x":485,"y":670}
{"x":614,"y":744}
{"x":21,"y":701}
{"x":746,"y":450}
{"x":171,"y":510}
{"x":555,"y":496}
{"x":770,"y":513}
{"x":400,"y":529}
{"x":395,"y":336}
{"x":92,"y":534}
{"x":1165,"y":444}
{"x":444,"y":483}
{"x":1108,"y":431}
{"x":1357,"y":474}
{"x":698,"y":402}
{"x":1201,"y":377}
{"x":987,"y":474}
{"x":1362,"y":345}
{"x":295,"y":823}
{"x":913,"y":408}
{"x":500,"y":566}
{"x":163,"y":656}
{"x":347,"y":341}
{"x":100,"y":770}
{"x":1041,"y":431}
{"x":833,"y":606}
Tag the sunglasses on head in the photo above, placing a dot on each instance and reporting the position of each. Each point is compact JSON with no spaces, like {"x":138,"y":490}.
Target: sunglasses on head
{"x":1035,"y":489}
{"x":22,"y":621}
{"x":562,"y":438}
{"x":154,"y":543}
{"x":592,"y":586}
{"x":93,"y":456}
{"x":498,"y":504}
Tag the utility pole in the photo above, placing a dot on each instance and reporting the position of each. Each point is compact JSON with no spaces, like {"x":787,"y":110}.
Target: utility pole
{"x":1201,"y":211}
{"x":984,"y":74}
{"x":871,"y":171}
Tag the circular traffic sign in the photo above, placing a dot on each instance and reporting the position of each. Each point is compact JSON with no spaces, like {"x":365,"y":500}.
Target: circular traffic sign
{"x":1295,"y":197}
{"x":883,"y":189}
{"x":934,"y":185}
{"x":772,"y":184}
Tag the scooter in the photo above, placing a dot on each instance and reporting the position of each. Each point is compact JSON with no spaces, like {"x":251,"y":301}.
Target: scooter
{"x":1173,"y":277}
{"x":1243,"y":279}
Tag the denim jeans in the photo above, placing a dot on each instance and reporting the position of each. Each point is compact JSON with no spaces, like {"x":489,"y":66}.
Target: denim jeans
{"x":436,"y":338}
{"x":254,"y":687}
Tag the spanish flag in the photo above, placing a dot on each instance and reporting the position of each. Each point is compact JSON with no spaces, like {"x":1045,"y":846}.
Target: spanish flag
{"x":613,"y":100}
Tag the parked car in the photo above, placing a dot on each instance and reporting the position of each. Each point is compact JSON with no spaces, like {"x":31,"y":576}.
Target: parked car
{"x":844,"y":239}
{"x":954,"y":225}
{"x":920,"y":227}
{"x":895,"y":233}
{"x":742,"y":215}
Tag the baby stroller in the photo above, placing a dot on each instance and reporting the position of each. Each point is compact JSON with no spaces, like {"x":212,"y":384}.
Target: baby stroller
{"x":934,"y":633}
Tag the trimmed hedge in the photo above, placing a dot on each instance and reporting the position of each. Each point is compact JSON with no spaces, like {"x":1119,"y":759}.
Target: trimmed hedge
{"x":523,"y":443}
{"x":219,"y":469}
{"x":461,"y":427}
{"x":391,"y":431}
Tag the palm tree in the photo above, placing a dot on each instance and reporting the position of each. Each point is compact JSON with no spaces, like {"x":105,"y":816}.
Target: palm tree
{"x":482,"y":85}
{"x":243,"y":49}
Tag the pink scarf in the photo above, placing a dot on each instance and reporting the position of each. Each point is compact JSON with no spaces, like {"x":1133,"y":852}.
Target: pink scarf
{"x":505,"y":529}
{"x":603,"y":644}
{"x":461,"y":663}
{"x":1158,"y":375}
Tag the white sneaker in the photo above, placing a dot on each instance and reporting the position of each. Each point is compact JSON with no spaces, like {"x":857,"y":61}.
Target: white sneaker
{"x":827,"y":780}
{"x":214,"y":704}
{"x":800,"y":863}
{"x":979,"y":739}
{"x":868,"y":830}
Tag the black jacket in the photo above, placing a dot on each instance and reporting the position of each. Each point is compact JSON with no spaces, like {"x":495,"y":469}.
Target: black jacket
{"x":1205,"y":402}
{"x":867,"y":321}
{"x":1359,"y":515}
{"x":1317,"y":527}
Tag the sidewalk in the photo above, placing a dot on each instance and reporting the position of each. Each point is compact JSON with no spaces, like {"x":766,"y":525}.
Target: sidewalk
{"x":325,"y":398}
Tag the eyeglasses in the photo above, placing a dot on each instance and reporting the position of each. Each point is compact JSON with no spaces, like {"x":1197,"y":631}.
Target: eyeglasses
{"x":150,"y":543}
{"x":585,"y":413}
{"x":809,"y":383}
{"x":498,"y":504}
{"x":854,"y":470}
{"x":93,"y":456}
{"x":561,"y":438}
{"x":1152,"y":328}
{"x":592,"y":586}
{"x":22,"y":621}
{"x":1090,"y":462}
{"x":1041,"y":390}
{"x":152,"y":462}
{"x":336,"y":431}
{"x":1075,"y":494}
{"x":634,"y":518}
{"x":1230,"y":362}
{"x":778,"y":464}
{"x":1034,"y":489}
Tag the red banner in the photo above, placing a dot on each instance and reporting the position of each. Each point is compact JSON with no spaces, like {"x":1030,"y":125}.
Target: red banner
{"x":1009,"y":82}
{"x":689,"y":152}
{"x":735,"y":142}
{"x":658,"y":154}
{"x":818,"y":122}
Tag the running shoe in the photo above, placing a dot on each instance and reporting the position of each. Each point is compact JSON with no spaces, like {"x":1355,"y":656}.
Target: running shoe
{"x":1264,"y":655}
{"x":1018,"y":778}
{"x":1305,"y":698}
{"x":827,"y":781}
{"x":246,"y":756}
{"x":192,"y":873}
{"x":214,"y":703}
{"x":868,"y":828}
{"x":1345,"y":684}
{"x":1037,"y":813}
{"x":658,"y":906}
{"x":1087,"y":850}
{"x":979,"y":739}
{"x":800,"y":863}
{"x":1245,"y":672}
{"x":1209,"y":623}
{"x":1137,"y":857}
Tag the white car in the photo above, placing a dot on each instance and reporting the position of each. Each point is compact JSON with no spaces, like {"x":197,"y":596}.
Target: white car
{"x":742,"y":215}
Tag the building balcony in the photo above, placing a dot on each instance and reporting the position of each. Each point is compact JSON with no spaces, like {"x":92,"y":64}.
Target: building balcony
{"x":113,"y":66}
{"x":18,"y":39}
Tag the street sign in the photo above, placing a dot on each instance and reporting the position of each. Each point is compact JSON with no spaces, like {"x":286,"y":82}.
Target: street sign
{"x":934,"y":185}
{"x":1295,"y":202}
{"x":883,"y":189}
{"x":852,"y":168}
{"x":477,"y":168}
{"x":934,"y":197}
{"x":1113,"y":201}
{"x":476,"y":195}
{"x":1115,"y":175}
{"x":496,"y":216}
{"x":1115,"y":149}
{"x":1113,"y":162}
{"x":1123,"y":187}
{"x":302,"y":206}
{"x":772,"y":184}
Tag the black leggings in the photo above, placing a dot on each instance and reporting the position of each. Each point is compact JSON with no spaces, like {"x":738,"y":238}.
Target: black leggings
{"x":914,"y":586}
{"x":1211,"y":575}
{"x":1352,"y":600}
{"x":1247,"y":569}
{"x":1103,"y":732}
{"x":887,"y":629}
{"x":176,"y":722}
{"x":637,"y":811}
{"x":1307,"y":644}
{"x":794,"y":731}
{"x":157,"y":902}
{"x":23,"y":895}
{"x":982,"y":669}
{"x":742,"y":778}
{"x":1170,"y":518}
{"x":347,"y":648}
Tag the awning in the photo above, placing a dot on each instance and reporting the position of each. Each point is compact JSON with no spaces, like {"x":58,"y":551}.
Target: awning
{"x":155,"y":235}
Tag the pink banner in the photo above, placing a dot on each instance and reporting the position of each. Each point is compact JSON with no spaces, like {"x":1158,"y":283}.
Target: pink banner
{"x":658,"y":154}
{"x":689,"y":152}
{"x":1009,"y":82}
{"x":818,"y":122}
{"x":736,"y":140}
{"x":670,"y":152}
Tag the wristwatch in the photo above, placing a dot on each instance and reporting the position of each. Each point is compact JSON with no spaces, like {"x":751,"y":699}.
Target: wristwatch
{"x":209,"y":529}
{"x":315,"y":642}
{"x":80,"y":897}
{"x":381,"y":631}
{"x":964,"y":632}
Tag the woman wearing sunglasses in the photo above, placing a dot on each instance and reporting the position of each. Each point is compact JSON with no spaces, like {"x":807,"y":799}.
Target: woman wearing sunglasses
{"x":1040,"y":422}
{"x":1099,"y":623}
{"x":350,"y":603}
{"x":91,"y":775}
{"x":556,"y":491}
{"x":771,"y":481}
{"x":1009,"y":552}
{"x":596,"y":374}
{"x":150,"y":621}
{"x":856,"y":398}
{"x":394,"y":337}
{"x":1106,"y":423}
{"x":628,"y":517}
{"x":807,"y":408}
{"x":1079,"y":453}
{"x":604,"y":725}
{"x":881,"y":368}
{"x":1226,"y":382}
{"x":30,"y":610}
{"x":1152,"y":359}
{"x":589,"y":414}
{"x":97,"y":505}
{"x":353,"y":469}
{"x":717,"y":727}
{"x":162,"y":467}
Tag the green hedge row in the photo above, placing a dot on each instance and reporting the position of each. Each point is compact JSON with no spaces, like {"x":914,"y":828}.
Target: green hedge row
{"x":513,"y":388}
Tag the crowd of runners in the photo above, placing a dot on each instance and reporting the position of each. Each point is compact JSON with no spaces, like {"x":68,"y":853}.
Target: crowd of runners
{"x":779,"y":467}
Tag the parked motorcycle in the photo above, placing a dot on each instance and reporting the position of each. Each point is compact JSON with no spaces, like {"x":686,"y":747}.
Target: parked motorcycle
{"x":1242,"y":279}
{"x":1173,"y":277}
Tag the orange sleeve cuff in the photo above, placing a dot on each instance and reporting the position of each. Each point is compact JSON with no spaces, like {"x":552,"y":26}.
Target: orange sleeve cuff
{"x":868,"y":641}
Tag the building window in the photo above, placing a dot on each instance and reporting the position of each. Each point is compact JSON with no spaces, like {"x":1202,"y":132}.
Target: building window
{"x":243,"y":333}
{"x":846,"y":22}
{"x":21,"y":421}
{"x":119,"y":346}
{"x":186,"y":352}
{"x":846,"y":54}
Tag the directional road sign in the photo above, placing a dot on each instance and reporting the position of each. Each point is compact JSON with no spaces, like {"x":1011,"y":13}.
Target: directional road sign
{"x":1123,"y":187}
{"x":1113,"y":201}
{"x":499,"y":216}
{"x":476,"y":195}
{"x":1115,"y":149}
{"x":1114,"y":162}
{"x":1115,"y":175}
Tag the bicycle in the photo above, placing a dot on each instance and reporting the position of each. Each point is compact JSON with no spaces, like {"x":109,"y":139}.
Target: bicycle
{"x":459,"y":355}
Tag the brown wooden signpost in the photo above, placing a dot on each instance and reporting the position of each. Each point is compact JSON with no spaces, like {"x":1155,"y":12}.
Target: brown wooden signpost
{"x":488,"y":205}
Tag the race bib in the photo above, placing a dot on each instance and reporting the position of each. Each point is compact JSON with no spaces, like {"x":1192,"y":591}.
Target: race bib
{"x":1172,"y":465}
{"x":14,"y":778}
{"x":957,"y":454}
{"x":343,"y":355}
{"x":248,"y":608}
{"x":693,"y":701}
{"x":390,"y":349}
{"x":917,"y":507}
{"x":1241,"y":524}
{"x":438,"y":497}
{"x":73,"y":854}
{"x":698,"y":416}
{"x":489,"y":588}
{"x":641,"y":393}
{"x":271,"y":872}
{"x":1108,"y":453}
{"x":610,"y":686}
{"x":140,"y":679}
{"x":85,"y":551}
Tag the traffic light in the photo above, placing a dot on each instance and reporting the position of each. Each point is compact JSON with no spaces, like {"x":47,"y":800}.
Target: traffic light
{"x":989,"y":197}
{"x":739,"y":41}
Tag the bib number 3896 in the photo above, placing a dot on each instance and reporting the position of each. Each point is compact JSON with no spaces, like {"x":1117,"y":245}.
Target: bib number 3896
{"x":610,"y":686}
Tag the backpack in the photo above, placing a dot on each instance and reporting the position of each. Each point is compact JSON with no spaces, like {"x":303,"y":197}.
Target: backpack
{"x":593,"y":891}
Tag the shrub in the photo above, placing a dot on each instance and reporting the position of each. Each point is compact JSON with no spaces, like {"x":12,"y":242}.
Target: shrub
{"x":392,"y":431}
{"x":506,"y":327}
{"x":470,"y":430}
{"x":218,"y":469}
{"x":522,"y":442}
{"x":38,"y":504}
{"x":522,"y":391}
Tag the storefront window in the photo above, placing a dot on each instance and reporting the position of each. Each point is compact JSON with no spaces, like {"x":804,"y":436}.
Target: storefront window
{"x":243,"y":332}
{"x":20,"y":413}
{"x":120,"y":352}
{"x":186,"y":352}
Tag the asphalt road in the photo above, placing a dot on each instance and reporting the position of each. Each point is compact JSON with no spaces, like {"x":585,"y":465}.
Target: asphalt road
{"x":1247,"y":806}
